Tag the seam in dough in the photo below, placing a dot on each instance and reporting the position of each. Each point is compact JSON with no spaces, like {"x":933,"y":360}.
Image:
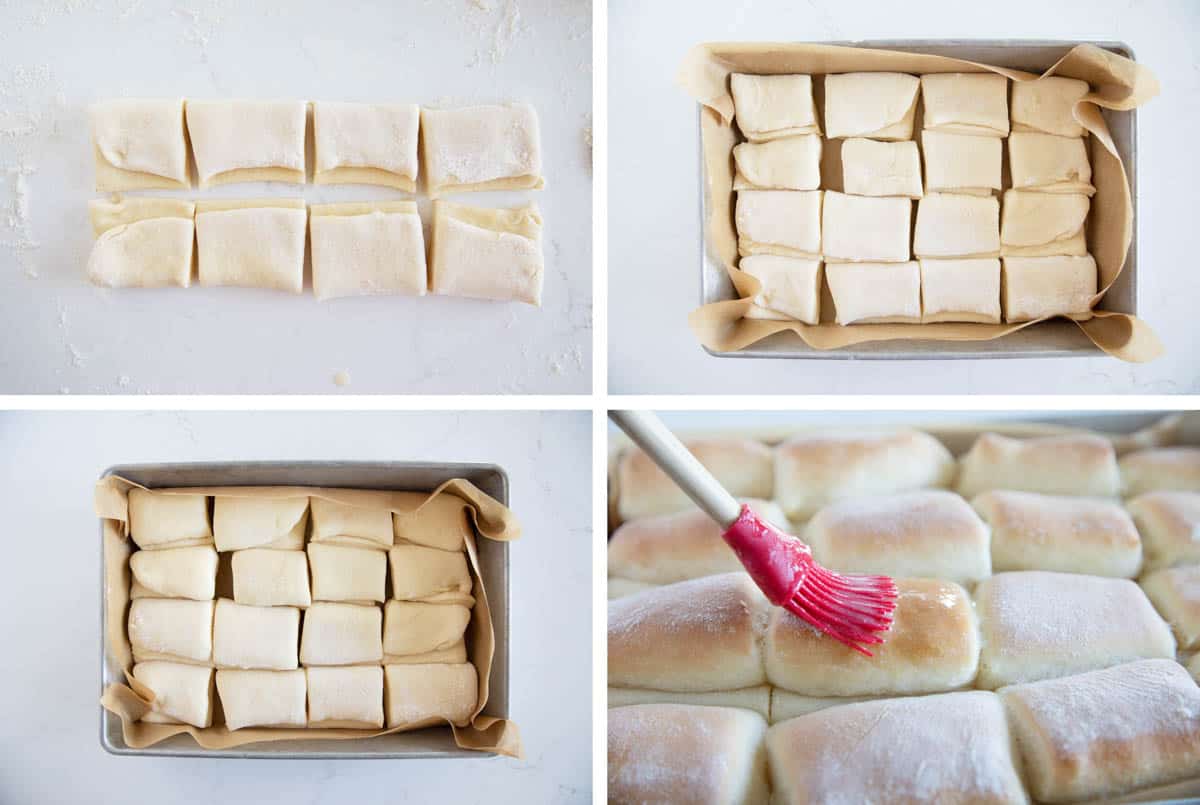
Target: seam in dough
{"x":139,"y":145}
{"x":487,"y":253}
{"x":481,"y":148}
{"x":366,"y":143}
{"x":235,"y":141}
{"x":367,"y":248}
{"x":141,"y":242}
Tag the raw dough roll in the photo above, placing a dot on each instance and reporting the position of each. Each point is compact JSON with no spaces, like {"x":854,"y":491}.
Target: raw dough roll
{"x":1034,"y":287}
{"x":930,"y":534}
{"x":694,"y":636}
{"x":961,"y":290}
{"x":966,"y":103}
{"x":255,"y":637}
{"x":871,"y":168}
{"x":1175,"y":593}
{"x":962,"y":163}
{"x":950,"y":225}
{"x":356,"y":526}
{"x":141,"y":243}
{"x":345,"y":697}
{"x":865,"y":229}
{"x":780,"y":222}
{"x":674,"y":547}
{"x":742,"y":466}
{"x":182,"y":693}
{"x":865,"y":293}
{"x":619,"y":588}
{"x":484,"y":253}
{"x":791,"y":287}
{"x":1103,"y":733}
{"x":786,"y":705}
{"x":240,"y":523}
{"x":341,"y":634}
{"x":757,"y":698}
{"x":367,"y":248}
{"x":680,"y":753}
{"x":954,"y":747}
{"x":171,"y":629}
{"x":1073,"y":464}
{"x":1038,"y":625}
{"x":247,"y":141}
{"x":412,"y":627}
{"x":366,"y":143}
{"x":1070,"y":535}
{"x":1049,"y":164}
{"x":768,"y":107}
{"x":793,"y":163}
{"x":267,"y":578}
{"x":481,"y":148}
{"x":1036,"y":224}
{"x":932,"y":646}
{"x":354,"y":575}
{"x":441,"y":522}
{"x":1047,"y":105}
{"x":880,"y":106}
{"x":139,"y":144}
{"x":421,"y":695}
{"x":814,"y":469}
{"x":174,"y":573}
{"x":262,"y":698}
{"x":247,"y":243}
{"x":1161,"y":468}
{"x":1169,"y":523}
{"x":163,"y":520}
{"x":427,"y":573}
{"x":452,"y":655}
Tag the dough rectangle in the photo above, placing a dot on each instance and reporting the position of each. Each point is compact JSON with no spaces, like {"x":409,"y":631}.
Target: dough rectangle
{"x":366,"y":143}
{"x":240,"y":523}
{"x":262,"y":698}
{"x":340,"y":573}
{"x":960,"y":290}
{"x":865,"y":293}
{"x":142,"y":243}
{"x":341,"y":524}
{"x":1043,"y":224}
{"x":341,"y":634}
{"x":411,"y":627}
{"x":864,"y":229}
{"x":1034,"y":287}
{"x":418,"y":572}
{"x":780,"y":222}
{"x":174,"y":573}
{"x":791,"y":287}
{"x":962,"y":163}
{"x":957,"y":226}
{"x":139,"y":144}
{"x":247,"y":141}
{"x":871,"y":168}
{"x":163,"y":520}
{"x":487,"y":253}
{"x":966,"y":103}
{"x":440,"y":522}
{"x":793,"y":163}
{"x":421,"y":695}
{"x":1046,"y":105}
{"x":171,"y":629}
{"x":182,"y":693}
{"x":1049,"y":164}
{"x":345,"y":697}
{"x":271,"y":578}
{"x":367,"y":248}
{"x":769,"y":107}
{"x":481,"y":148}
{"x":252,"y":243}
{"x":255,"y":637}
{"x":880,"y":106}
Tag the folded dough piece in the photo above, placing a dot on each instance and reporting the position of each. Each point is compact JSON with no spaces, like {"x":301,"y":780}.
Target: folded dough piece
{"x":791,"y":287}
{"x":164,"y":520}
{"x":277,"y":523}
{"x":250,"y":243}
{"x":880,"y":106}
{"x":262,"y":698}
{"x":619,"y":588}
{"x":757,"y":699}
{"x":961,"y":290}
{"x":768,"y":107}
{"x":780,"y":222}
{"x":421,"y":695}
{"x":356,"y":526}
{"x":1049,"y":164}
{"x":171,"y":629}
{"x":413,"y":627}
{"x":481,"y":148}
{"x":1103,"y":733}
{"x":1046,"y":105}
{"x":367,"y":248}
{"x":1039,"y":625}
{"x":487,"y":253}
{"x":962,"y":163}
{"x":786,"y":705}
{"x":269,"y":578}
{"x":793,"y":163}
{"x":1043,"y":224}
{"x":247,"y":141}
{"x":451,"y":655}
{"x":813,"y":469}
{"x":1175,"y":593}
{"x":1066,"y":534}
{"x":141,"y":243}
{"x":439,"y":522}
{"x":428,"y":573}
{"x":871,"y":168}
{"x":139,"y":144}
{"x":859,"y":228}
{"x":1034,"y":287}
{"x":743,"y":466}
{"x":1071,"y":464}
{"x":865,"y":293}
{"x":950,"y":225}
{"x":255,"y":637}
{"x":681,"y":753}
{"x":966,"y":103}
{"x":1169,"y":523}
{"x":174,"y":573}
{"x":949,"y":748}
{"x":347,"y":698}
{"x":341,"y":634}
{"x":1161,"y":468}
{"x":182,"y":693}
{"x":341,"y":573}
{"x":366,"y":143}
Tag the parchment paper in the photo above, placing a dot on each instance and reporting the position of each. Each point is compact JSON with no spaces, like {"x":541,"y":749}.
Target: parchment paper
{"x":1116,"y":83}
{"x":491,"y":519}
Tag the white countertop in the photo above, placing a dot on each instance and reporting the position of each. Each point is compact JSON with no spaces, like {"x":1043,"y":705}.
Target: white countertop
{"x":59,"y":334}
{"x":49,"y":745}
{"x":654,"y":251}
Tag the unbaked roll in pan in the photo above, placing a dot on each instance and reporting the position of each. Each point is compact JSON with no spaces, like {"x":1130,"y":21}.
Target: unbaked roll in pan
{"x":423,"y":695}
{"x":343,"y":524}
{"x":350,"y":697}
{"x":769,"y":107}
{"x":159,"y":519}
{"x":171,"y":629}
{"x":182,"y":693}
{"x":174,"y":573}
{"x":240,"y":523}
{"x":262,"y":698}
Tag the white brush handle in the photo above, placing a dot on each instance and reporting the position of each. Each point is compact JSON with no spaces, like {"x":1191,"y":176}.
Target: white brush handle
{"x":650,"y":434}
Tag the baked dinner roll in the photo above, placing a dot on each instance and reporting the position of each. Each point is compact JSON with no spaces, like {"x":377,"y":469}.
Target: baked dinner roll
{"x":677,"y":753}
{"x":1103,"y":733}
{"x":1175,"y":593}
{"x":757,"y":698}
{"x":742,"y":466}
{"x":619,"y":588}
{"x":1072,"y":464}
{"x":1193,"y":666}
{"x":182,"y":693}
{"x":1169,"y":523}
{"x":1038,"y":625}
{"x":174,"y":573}
{"x":240,"y":523}
{"x":163,"y":520}
{"x":950,"y":748}
{"x":1161,"y":468}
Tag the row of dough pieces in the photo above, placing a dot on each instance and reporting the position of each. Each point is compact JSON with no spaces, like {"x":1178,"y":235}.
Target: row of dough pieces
{"x":360,"y":248}
{"x":142,"y":144}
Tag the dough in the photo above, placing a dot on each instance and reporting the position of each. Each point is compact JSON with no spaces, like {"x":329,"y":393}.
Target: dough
{"x":1161,"y":468}
{"x":757,"y":699}
{"x":1036,"y":287}
{"x":871,"y":168}
{"x":865,"y":293}
{"x":367,"y":248}
{"x":1071,"y":464}
{"x":252,"y":243}
{"x":619,"y":588}
{"x":481,"y":148}
{"x":1193,"y":666}
{"x":439,"y":522}
{"x":1049,"y":164}
{"x":858,"y":228}
{"x":485,"y":253}
{"x":171,"y":629}
{"x":262,"y":698}
{"x":1071,"y":535}
{"x":1046,"y":105}
{"x":268,"y":578}
{"x":141,"y":243}
{"x":950,"y":225}
{"x":767,"y":107}
{"x":781,"y":222}
{"x":1175,"y":593}
{"x":139,"y":145}
{"x":454,"y":653}
{"x":961,"y":290}
{"x":791,"y":287}
{"x":1169,"y":523}
{"x":793,"y":163}
{"x":422,"y":695}
{"x":419,"y":572}
{"x":411,"y":627}
{"x":1103,"y":733}
{"x":278,"y":523}
{"x":966,"y":103}
{"x":961,"y":163}
{"x":354,"y":575}
{"x":743,"y":466}
{"x":164,"y":520}
{"x":680,"y":753}
{"x":255,"y":637}
{"x":366,"y":143}
{"x":174,"y":573}
{"x":952,"y":748}
{"x":182,"y":693}
{"x":247,"y":141}
{"x":340,"y":524}
{"x":786,"y":705}
{"x":1037,"y":625}
{"x":345,"y":697}
{"x":875,"y":105}
{"x":1043,"y":224}
{"x":341,"y":634}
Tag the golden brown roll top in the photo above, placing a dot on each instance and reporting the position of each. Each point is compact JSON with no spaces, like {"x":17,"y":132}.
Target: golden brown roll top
{"x":1071,"y":464}
{"x":743,"y":466}
{"x":1175,"y":593}
{"x":1162,"y":468}
{"x":1169,"y":524}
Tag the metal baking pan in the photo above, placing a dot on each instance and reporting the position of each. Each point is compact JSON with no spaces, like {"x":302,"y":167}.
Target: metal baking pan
{"x":1052,"y":339}
{"x":431,"y":742}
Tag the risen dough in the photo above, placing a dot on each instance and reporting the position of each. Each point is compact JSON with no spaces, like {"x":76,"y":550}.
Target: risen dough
{"x":950,"y":225}
{"x":269,"y":578}
{"x":421,"y":695}
{"x":252,"y":243}
{"x":782,"y":222}
{"x":366,"y":143}
{"x":1046,"y":105}
{"x":962,"y":163}
{"x":871,"y":168}
{"x":341,"y":524}
{"x":171,"y":629}
{"x":1161,"y":468}
{"x":793,"y":163}
{"x":341,"y":634}
{"x":441,"y":522}
{"x":255,"y":637}
{"x":163,"y":520}
{"x":1169,"y":522}
{"x":875,"y":105}
{"x":1034,"y":287}
{"x":486,"y":253}
{"x":247,"y":141}
{"x":857,"y":228}
{"x":1175,"y":592}
{"x":1043,"y":224}
{"x":875,"y":292}
{"x":340,"y":573}
{"x":481,"y":148}
{"x":966,"y":103}
{"x":767,"y":107}
{"x":139,"y":144}
{"x":1072,"y":464}
{"x":367,"y":248}
{"x":411,"y":627}
{"x":174,"y":573}
{"x":791,"y":287}
{"x":961,"y":290}
{"x":421,"y":573}
{"x":1049,"y":164}
{"x":345,"y":697}
{"x":182,"y":693}
{"x":742,"y":466}
{"x":141,"y":243}
{"x":262,"y":698}
{"x":277,"y":523}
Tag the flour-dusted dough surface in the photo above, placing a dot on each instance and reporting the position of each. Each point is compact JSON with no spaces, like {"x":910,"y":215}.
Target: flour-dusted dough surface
{"x":441,"y":522}
{"x":367,"y":248}
{"x":962,"y":163}
{"x":345,"y":697}
{"x":871,"y":168}
{"x":271,"y":578}
{"x":418,"y":572}
{"x":366,"y":143}
{"x":247,"y":141}
{"x":957,"y":226}
{"x":171,"y":629}
{"x":966,"y":103}
{"x":1161,"y":468}
{"x":249,"y":243}
{"x":1169,"y":522}
{"x":160,"y":520}
{"x":412,"y":627}
{"x":1046,"y":105}
{"x":1043,"y":224}
{"x":341,"y":634}
{"x":875,"y":292}
{"x":262,"y":698}
{"x":255,"y":637}
{"x":487,"y":253}
{"x":863,"y":229}
{"x":1049,"y":164}
{"x":743,"y":466}
{"x":791,"y":287}
{"x":1033,"y":287}
{"x":960,"y":290}
{"x":880,"y":106}
{"x":342,"y":573}
{"x":1071,"y":464}
{"x":174,"y":573}
{"x":182,"y":693}
{"x":356,"y":526}
{"x":793,"y":163}
{"x":769,"y":107}
{"x":421,"y":695}
{"x":141,"y":243}
{"x":481,"y":148}
{"x":139,"y":144}
{"x":1175,"y":593}
{"x":240,"y":523}
{"x":756,"y":699}
{"x":780,"y":222}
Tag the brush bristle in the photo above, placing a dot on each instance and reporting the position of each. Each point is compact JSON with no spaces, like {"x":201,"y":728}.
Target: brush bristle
{"x":851,"y":609}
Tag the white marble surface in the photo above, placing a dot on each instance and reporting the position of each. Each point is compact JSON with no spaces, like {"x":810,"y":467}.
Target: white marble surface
{"x":654,"y":192}
{"x":59,"y":334}
{"x":49,"y":745}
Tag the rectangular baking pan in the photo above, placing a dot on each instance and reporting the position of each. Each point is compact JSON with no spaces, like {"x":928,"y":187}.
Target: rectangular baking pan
{"x":1052,"y":339}
{"x":431,"y":742}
